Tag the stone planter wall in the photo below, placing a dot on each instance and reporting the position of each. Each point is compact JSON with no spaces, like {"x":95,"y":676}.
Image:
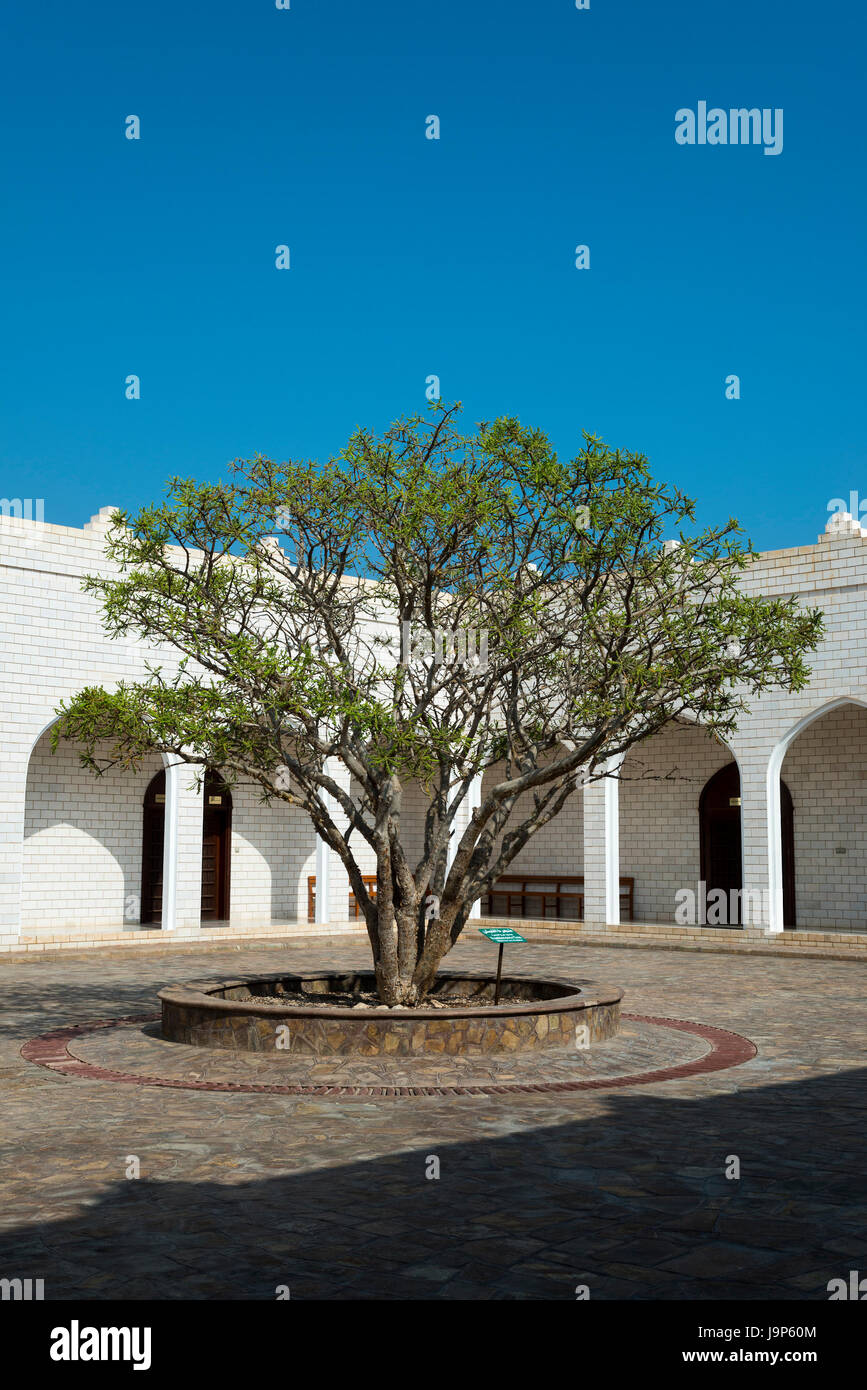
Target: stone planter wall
{"x":221,"y":1015}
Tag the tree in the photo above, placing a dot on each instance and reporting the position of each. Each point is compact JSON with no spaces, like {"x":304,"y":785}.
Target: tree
{"x":591,"y":633}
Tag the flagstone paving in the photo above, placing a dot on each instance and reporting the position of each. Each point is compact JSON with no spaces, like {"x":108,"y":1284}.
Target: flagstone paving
{"x":134,"y":1051}
{"x":497,"y":1196}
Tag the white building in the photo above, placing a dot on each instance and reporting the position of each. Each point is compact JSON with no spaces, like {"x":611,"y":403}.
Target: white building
{"x":780,"y":812}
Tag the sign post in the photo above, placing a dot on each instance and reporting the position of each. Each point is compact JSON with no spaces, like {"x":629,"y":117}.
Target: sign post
{"x":501,"y":935}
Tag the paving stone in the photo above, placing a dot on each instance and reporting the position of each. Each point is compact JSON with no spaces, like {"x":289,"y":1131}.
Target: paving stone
{"x":242,"y":1191}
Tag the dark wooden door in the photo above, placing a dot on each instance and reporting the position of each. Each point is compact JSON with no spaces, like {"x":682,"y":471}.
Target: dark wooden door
{"x":153,"y":837}
{"x":720,"y":829}
{"x":720,"y":817}
{"x":216,"y":844}
{"x":216,"y":847}
{"x":787,"y":827}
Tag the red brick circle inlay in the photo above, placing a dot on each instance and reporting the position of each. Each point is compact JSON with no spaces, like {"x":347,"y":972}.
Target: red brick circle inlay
{"x":726,"y":1050}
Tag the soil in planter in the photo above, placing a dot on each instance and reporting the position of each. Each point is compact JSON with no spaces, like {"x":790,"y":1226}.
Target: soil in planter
{"x":367,"y":1000}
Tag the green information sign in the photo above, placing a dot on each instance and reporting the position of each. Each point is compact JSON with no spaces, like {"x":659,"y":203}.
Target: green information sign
{"x":501,"y":934}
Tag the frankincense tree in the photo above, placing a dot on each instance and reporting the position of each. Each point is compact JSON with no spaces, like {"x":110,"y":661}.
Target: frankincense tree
{"x":441,"y":606}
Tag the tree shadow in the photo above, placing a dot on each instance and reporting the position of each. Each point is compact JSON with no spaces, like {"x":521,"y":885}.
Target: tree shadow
{"x":634,"y":1203}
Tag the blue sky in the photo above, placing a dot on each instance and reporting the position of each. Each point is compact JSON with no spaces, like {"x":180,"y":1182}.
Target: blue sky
{"x":412,"y":257}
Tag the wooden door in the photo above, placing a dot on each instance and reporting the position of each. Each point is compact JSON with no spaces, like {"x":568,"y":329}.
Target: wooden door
{"x":216,"y":847}
{"x":153,"y":838}
{"x":720,"y":817}
{"x":216,"y":844}
{"x":787,"y":826}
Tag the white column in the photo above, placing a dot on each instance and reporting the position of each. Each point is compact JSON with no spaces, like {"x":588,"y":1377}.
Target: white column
{"x":323,"y":878}
{"x":473,"y":802}
{"x":461,"y":820}
{"x":760,"y":840}
{"x":182,"y":849}
{"x":13,"y":796}
{"x":602,"y":849}
{"x":459,"y":825}
{"x":332,"y":880}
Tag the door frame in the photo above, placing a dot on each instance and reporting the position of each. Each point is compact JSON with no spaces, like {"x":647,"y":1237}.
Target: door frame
{"x":150,"y":812}
{"x":787,"y":834}
{"x":729,"y":772}
{"x":215,"y":785}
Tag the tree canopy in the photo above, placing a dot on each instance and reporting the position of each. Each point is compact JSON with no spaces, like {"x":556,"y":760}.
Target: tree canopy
{"x":428,"y":607}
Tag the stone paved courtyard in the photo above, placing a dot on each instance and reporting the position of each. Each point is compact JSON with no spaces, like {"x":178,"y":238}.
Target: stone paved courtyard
{"x":623,"y":1189}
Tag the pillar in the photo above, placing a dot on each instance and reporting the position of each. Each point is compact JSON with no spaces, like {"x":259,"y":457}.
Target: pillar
{"x":182,"y":849}
{"x":473,"y":802}
{"x":761,"y":842}
{"x":332,"y":880}
{"x":602,"y":849}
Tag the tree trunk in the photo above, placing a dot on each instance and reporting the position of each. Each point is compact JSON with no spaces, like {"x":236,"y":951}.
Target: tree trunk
{"x":396,"y":912}
{"x":438,"y":942}
{"x":408,"y":946}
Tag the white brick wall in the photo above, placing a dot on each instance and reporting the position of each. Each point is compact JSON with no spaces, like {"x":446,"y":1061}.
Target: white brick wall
{"x":272,"y":853}
{"x":88,"y":835}
{"x":557,"y":847}
{"x":82,"y":842}
{"x":825,"y":769}
{"x":659,"y":824}
{"x":831,"y":575}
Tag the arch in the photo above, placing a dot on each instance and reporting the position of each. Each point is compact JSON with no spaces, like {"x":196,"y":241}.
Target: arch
{"x":811,"y":718}
{"x":80,"y":852}
{"x":663,"y":779}
{"x":722,"y":844}
{"x":44,"y":730}
{"x":134,"y":903}
{"x":776,"y":911}
{"x":56,"y":719}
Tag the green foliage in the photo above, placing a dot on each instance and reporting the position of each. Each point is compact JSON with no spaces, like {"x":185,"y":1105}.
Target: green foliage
{"x":598,"y":635}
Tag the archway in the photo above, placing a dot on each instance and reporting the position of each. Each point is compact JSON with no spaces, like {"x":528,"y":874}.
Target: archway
{"x":81,"y":851}
{"x":824,"y":759}
{"x":721,"y":844}
{"x":216,"y":849}
{"x":660,"y":785}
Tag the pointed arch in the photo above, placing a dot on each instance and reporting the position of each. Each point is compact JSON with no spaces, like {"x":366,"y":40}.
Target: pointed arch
{"x":721,"y":828}
{"x":776,"y":920}
{"x":660,"y":822}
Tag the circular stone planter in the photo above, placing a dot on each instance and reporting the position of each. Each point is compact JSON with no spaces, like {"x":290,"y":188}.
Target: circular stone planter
{"x":561,"y":1014}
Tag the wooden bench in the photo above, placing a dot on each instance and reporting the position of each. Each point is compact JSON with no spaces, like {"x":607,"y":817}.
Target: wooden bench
{"x":517,"y":895}
{"x":369,"y":881}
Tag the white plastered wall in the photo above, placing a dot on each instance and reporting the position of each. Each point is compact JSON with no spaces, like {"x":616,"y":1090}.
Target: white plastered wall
{"x":660,"y":846}
{"x":82,"y":862}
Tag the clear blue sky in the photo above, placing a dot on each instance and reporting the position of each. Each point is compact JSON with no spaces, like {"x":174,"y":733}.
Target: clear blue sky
{"x":411,"y":257}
